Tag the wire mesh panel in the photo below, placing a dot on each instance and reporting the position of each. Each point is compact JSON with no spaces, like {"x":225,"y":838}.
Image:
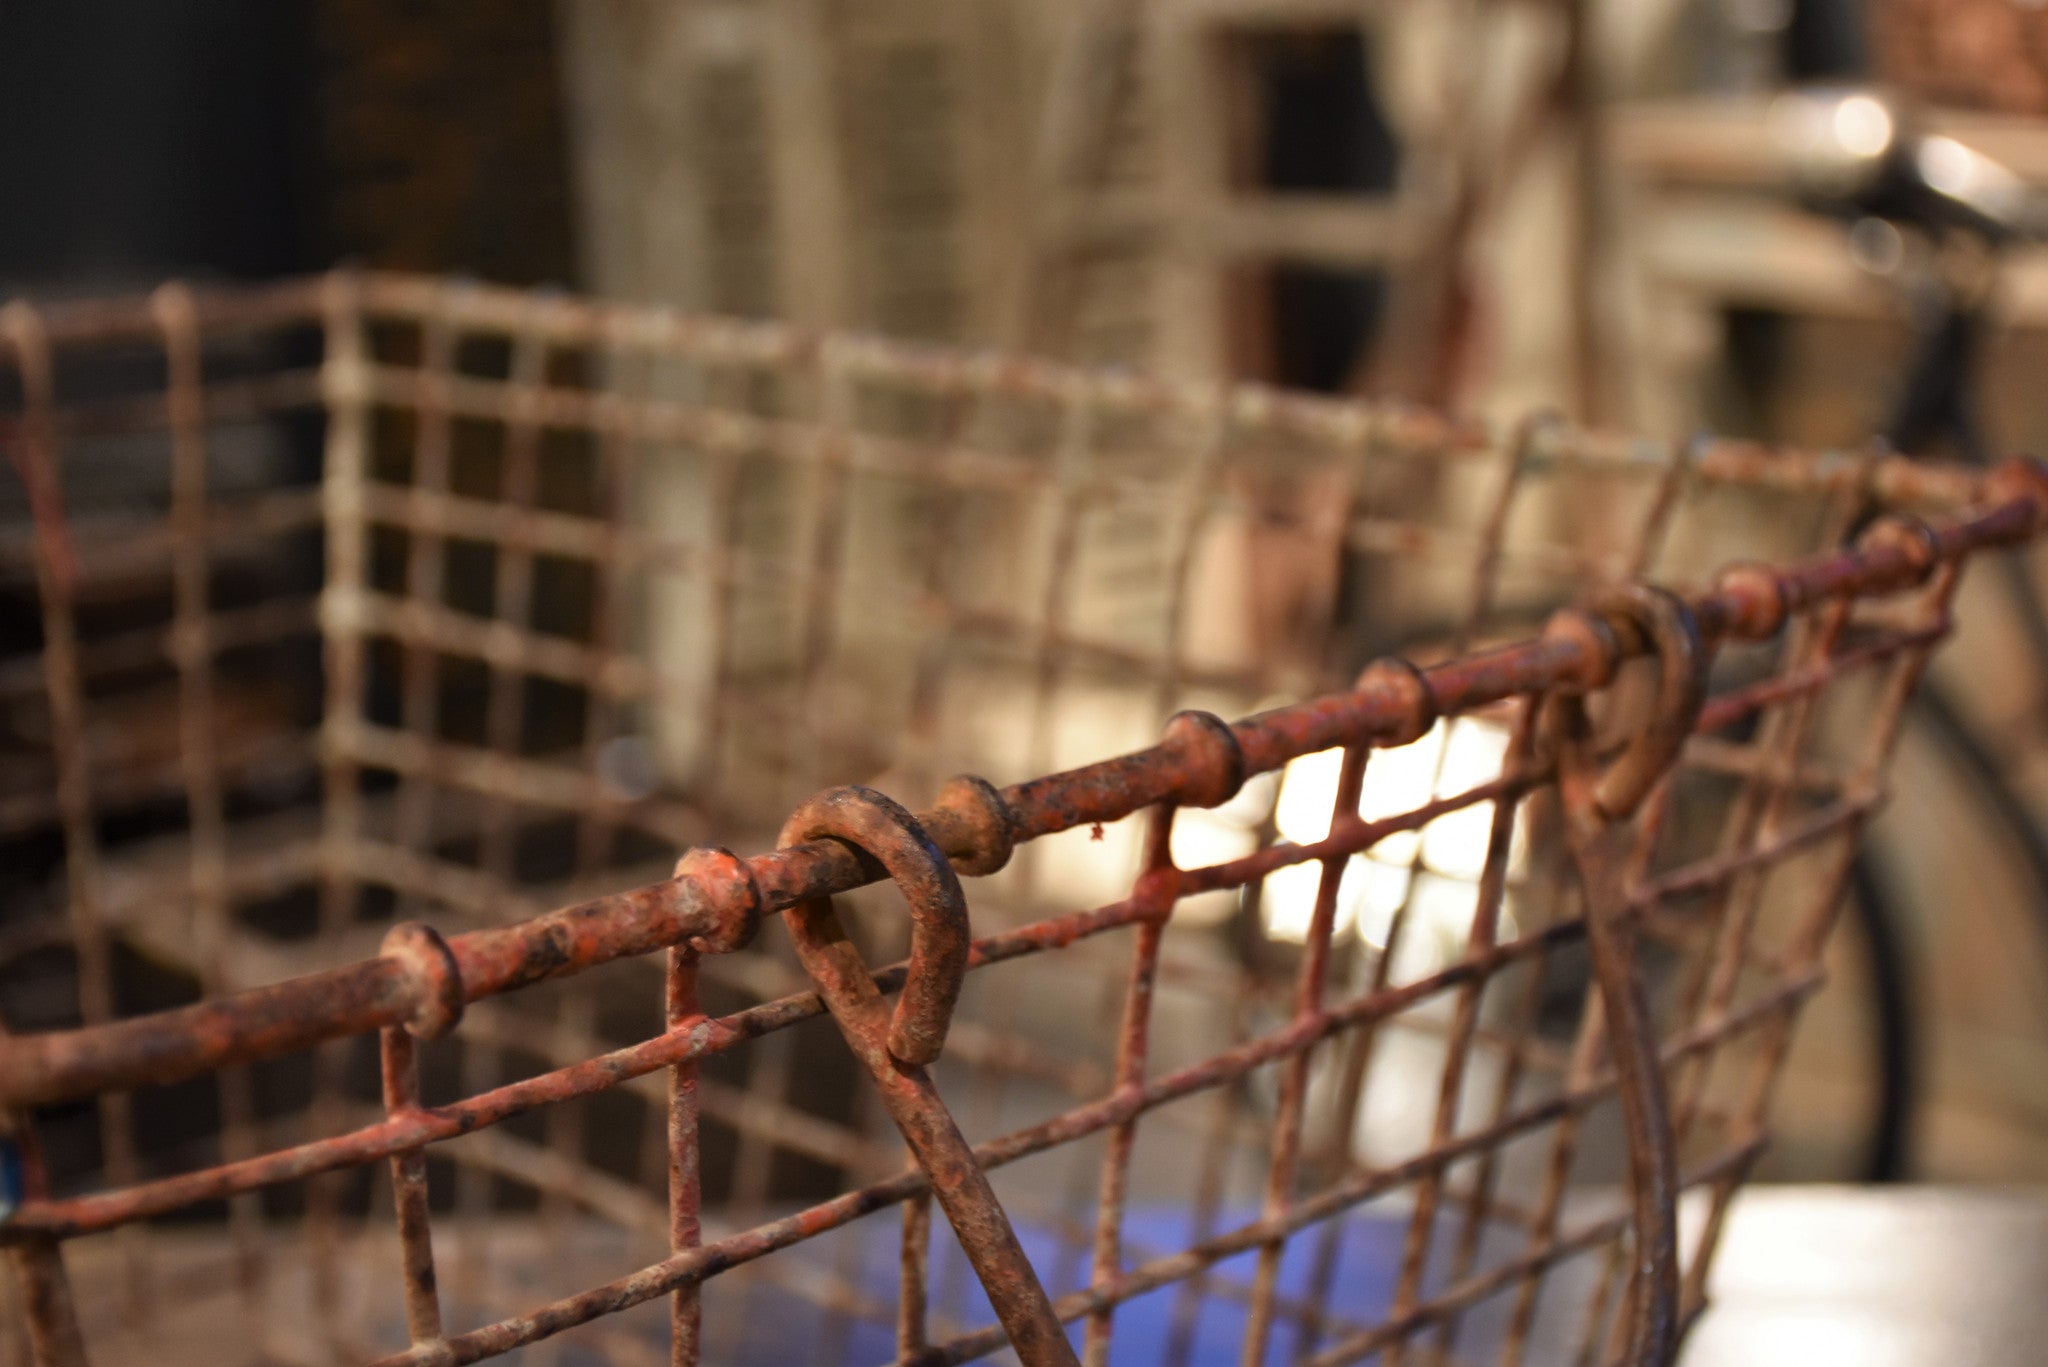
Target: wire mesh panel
{"x":377,"y":645}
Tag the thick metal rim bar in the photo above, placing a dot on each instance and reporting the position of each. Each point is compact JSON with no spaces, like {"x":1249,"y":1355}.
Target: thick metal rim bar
{"x":1201,"y":762}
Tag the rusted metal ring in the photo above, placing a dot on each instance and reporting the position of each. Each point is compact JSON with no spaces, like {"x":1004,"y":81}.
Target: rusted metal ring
{"x":431,"y":970}
{"x":1213,"y":761}
{"x":1668,"y":627}
{"x":1394,"y":674}
{"x":1759,"y":594}
{"x":1908,"y":535}
{"x":727,"y":882}
{"x":896,"y":1047}
{"x":881,"y":828}
{"x":979,"y":811}
{"x":2021,"y":478}
{"x":1599,"y":647}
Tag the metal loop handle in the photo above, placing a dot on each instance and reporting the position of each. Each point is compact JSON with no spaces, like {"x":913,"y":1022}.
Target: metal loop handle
{"x":1666,"y":625}
{"x":1598,"y":804}
{"x":881,"y":828}
{"x":895,"y":1048}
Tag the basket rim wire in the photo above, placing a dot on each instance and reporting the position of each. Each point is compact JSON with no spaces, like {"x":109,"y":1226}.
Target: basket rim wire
{"x":419,"y":986}
{"x":562,"y":319}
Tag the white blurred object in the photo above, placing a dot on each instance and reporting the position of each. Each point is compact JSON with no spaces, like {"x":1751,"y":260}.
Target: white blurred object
{"x":1884,"y":1277}
{"x":1433,"y":872}
{"x":1834,"y":138}
{"x":1429,"y":878}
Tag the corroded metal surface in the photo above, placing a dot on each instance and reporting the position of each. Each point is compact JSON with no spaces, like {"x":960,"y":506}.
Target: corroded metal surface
{"x":1201,"y":762}
{"x":1579,"y":829}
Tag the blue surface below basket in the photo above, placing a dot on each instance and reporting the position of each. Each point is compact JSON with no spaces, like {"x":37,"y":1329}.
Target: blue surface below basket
{"x":784,"y":1326}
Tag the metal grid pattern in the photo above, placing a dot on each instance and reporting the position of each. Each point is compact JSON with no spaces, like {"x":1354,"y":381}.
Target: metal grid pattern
{"x":1407,"y":1011}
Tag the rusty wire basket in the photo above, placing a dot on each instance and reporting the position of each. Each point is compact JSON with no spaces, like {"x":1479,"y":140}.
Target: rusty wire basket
{"x":1387,"y":1023}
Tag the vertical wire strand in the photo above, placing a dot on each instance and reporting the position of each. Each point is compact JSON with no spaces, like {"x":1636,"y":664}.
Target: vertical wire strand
{"x":63,"y":685}
{"x":1211,"y":1186}
{"x":425,"y":575}
{"x":1061,"y":543}
{"x":192,"y":649}
{"x":723,"y":500}
{"x":409,"y":1190}
{"x":680,"y":1009}
{"x":913,"y":1277}
{"x":1201,"y":487}
{"x":1081,"y":1189}
{"x":50,"y":1333}
{"x":623,"y":375}
{"x":941,"y":578}
{"x":1310,"y":985}
{"x":598,"y":823}
{"x":416,"y":805}
{"x":344,"y":385}
{"x":1211,"y":445}
{"x":1364,"y":444}
{"x":1680,"y":457}
{"x":512,"y":582}
{"x":1480,"y":938}
{"x":505,"y":714}
{"x":827,"y":514}
{"x":1134,"y":1034}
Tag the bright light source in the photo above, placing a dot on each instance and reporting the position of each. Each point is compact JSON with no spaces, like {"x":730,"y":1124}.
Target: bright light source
{"x":1400,"y":780}
{"x":1455,"y":843}
{"x":1252,"y":804}
{"x":1308,"y":794}
{"x":1385,"y":888}
{"x":1833,"y":140}
{"x":1288,"y":900}
{"x":1973,"y":180}
{"x":1199,"y":839}
{"x":1947,"y":165}
{"x":1452,"y":848}
{"x":1863,"y":125}
{"x":1202,"y":838}
{"x":1429,"y":878}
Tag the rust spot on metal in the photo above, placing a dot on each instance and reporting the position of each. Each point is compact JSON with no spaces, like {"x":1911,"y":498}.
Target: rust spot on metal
{"x":897,"y":1047}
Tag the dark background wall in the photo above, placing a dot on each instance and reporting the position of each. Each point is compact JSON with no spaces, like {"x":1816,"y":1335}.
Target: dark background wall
{"x":246,"y":138}
{"x":143,"y":140}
